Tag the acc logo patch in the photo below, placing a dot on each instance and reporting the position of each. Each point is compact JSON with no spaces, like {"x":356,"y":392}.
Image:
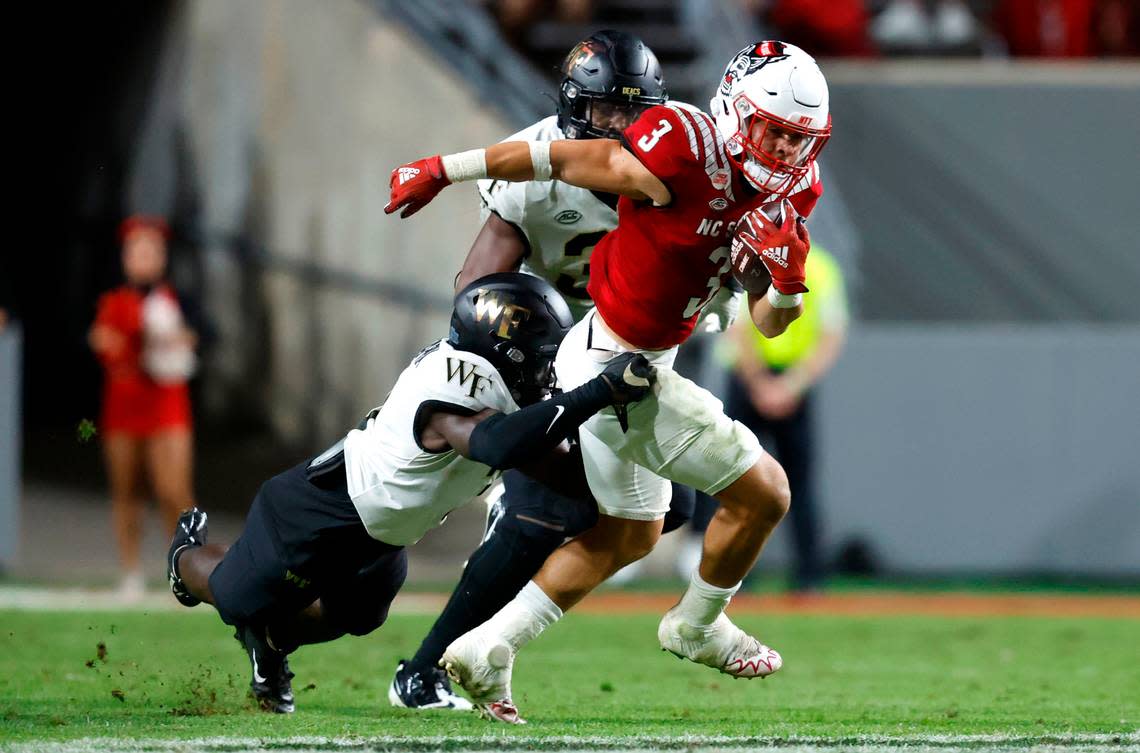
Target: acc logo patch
{"x":720,"y":178}
{"x":567,"y":217}
{"x":719,"y":204}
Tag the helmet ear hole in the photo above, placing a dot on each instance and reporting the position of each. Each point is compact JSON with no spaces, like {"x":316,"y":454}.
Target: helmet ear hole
{"x":612,"y":67}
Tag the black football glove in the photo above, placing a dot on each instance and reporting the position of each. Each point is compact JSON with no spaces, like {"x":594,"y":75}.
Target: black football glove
{"x":630,"y":378}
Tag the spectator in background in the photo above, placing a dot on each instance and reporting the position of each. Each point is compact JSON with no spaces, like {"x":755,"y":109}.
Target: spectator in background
{"x":147,"y":351}
{"x":826,"y":27}
{"x":516,"y":17}
{"x":927,"y":27}
{"x":1068,"y":28}
{"x":770,"y":392}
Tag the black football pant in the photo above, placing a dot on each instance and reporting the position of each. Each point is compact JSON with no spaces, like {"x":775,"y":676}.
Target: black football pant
{"x":535,"y":521}
{"x":303,"y":540}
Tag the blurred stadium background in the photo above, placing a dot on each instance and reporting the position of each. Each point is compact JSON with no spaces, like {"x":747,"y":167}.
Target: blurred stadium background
{"x":984,"y":421}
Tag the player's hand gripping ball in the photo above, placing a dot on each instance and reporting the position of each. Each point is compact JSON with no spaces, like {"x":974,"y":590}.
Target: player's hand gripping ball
{"x":764,"y":253}
{"x":747,"y":267}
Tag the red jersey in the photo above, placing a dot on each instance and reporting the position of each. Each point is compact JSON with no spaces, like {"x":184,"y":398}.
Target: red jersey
{"x":133,"y":403}
{"x":651,"y":276}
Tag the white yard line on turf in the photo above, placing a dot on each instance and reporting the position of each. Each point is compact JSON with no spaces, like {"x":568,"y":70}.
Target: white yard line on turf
{"x":1092,"y":743}
{"x":39,"y":599}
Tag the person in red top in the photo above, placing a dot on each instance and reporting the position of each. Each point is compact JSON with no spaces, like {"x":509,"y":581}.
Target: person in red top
{"x":686,"y":179}
{"x":146,"y":349}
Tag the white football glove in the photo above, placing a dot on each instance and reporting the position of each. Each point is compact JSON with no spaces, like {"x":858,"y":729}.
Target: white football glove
{"x":721,"y":311}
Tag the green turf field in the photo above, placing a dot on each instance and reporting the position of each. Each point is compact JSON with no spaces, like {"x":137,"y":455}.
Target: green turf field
{"x":591,"y":681}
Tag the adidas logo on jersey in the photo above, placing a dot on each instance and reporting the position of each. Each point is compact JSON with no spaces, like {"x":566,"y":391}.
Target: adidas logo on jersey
{"x":407,"y":173}
{"x":778,"y":255}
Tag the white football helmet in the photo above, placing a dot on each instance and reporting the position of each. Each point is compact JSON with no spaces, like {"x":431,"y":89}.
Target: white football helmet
{"x":778,"y":86}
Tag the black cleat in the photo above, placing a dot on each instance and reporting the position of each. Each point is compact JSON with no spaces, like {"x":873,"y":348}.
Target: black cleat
{"x":424,"y":690}
{"x":271,"y":685}
{"x":190,"y":531}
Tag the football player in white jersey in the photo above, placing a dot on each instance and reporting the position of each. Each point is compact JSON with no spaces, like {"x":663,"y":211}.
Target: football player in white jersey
{"x":548,"y":229}
{"x":322,"y":552}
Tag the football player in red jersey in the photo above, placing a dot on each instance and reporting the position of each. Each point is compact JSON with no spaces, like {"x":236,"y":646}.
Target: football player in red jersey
{"x":686,"y":178}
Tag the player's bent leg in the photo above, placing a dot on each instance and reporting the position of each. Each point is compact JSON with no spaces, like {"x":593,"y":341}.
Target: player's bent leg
{"x":482,"y":660}
{"x":249,"y":591}
{"x":582,"y":564}
{"x":697,"y":628}
{"x":750,"y":509}
{"x":493,"y":576}
{"x":533,"y":522}
{"x":302,"y":537}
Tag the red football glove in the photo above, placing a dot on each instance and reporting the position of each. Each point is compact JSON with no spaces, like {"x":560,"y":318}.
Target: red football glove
{"x":783,"y":249}
{"x":415,"y":184}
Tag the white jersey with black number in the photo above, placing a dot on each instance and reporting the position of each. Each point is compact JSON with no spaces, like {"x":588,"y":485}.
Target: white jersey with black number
{"x":561,"y":223}
{"x":401,"y":490}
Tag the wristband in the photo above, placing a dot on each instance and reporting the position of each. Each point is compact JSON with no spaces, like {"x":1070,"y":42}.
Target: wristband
{"x":779,"y":300}
{"x":540,"y":159}
{"x":470,"y":165}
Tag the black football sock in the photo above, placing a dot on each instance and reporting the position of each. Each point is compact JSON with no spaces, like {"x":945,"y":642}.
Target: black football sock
{"x":494,"y":575}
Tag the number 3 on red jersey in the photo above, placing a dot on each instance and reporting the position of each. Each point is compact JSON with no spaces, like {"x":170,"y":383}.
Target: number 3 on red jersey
{"x":649,"y":140}
{"x":721,"y":254}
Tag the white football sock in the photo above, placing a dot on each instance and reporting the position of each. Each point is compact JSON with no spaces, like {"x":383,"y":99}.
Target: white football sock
{"x":703,"y":602}
{"x":525,"y":616}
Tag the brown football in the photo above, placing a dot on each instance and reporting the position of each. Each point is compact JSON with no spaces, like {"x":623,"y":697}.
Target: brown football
{"x":748,"y":269}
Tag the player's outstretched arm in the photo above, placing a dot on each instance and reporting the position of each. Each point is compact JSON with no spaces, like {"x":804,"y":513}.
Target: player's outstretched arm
{"x":596,"y":164}
{"x":502,"y":440}
{"x":605,"y":165}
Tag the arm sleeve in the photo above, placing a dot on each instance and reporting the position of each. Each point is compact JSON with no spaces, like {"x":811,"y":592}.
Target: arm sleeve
{"x":509,"y":440}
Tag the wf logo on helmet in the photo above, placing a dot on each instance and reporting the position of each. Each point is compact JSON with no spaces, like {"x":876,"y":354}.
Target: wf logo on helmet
{"x":492,"y":308}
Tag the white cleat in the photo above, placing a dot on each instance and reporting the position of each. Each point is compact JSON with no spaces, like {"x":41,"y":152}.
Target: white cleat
{"x":721,"y":645}
{"x":481,"y":665}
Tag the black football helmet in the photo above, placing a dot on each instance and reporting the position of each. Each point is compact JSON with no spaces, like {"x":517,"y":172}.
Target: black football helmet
{"x":516,"y":321}
{"x":608,"y":80}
